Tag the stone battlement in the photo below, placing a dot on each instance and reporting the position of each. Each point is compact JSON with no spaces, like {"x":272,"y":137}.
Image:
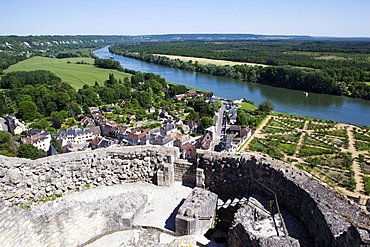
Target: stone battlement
{"x":330,"y":218}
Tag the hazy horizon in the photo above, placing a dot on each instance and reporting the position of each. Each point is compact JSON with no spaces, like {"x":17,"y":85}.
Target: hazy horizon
{"x":325,"y":18}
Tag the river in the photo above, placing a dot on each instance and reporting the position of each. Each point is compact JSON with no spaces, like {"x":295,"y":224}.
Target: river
{"x":322,"y":106}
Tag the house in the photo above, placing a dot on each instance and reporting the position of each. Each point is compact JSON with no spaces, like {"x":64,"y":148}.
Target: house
{"x":246,"y":132}
{"x":130,"y":117}
{"x":168,"y":129}
{"x":87,"y":121}
{"x":38,"y":138}
{"x":94,"y":110}
{"x":67,"y":148}
{"x":210,"y":130}
{"x":161,"y":141}
{"x":118,"y":131}
{"x":208,"y":96}
{"x":99,"y":142}
{"x":121,"y":103}
{"x":192,"y":92}
{"x":145,"y":140}
{"x":213,"y":100}
{"x":204,"y":142}
{"x":177,"y":121}
{"x":194,"y":125}
{"x":151,"y":109}
{"x":134,"y":137}
{"x":179,"y":96}
{"x":96,"y":131}
{"x":15,"y":127}
{"x":75,"y":135}
{"x":163,"y":114}
{"x":106,"y":129}
{"x":185,"y":128}
{"x":110,"y":109}
{"x":3,"y":125}
{"x":234,"y":130}
{"x":179,"y":139}
{"x":232,"y":116}
{"x":188,"y":151}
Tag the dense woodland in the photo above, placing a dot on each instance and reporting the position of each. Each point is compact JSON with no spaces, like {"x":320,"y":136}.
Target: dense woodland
{"x":41,"y":96}
{"x":332,"y":67}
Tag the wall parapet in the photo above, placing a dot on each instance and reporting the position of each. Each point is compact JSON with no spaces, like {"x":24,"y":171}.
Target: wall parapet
{"x":24,"y":181}
{"x":330,"y":217}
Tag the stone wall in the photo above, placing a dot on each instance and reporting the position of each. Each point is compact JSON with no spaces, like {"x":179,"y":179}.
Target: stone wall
{"x":185,"y":172}
{"x":197,"y":214}
{"x":330,"y":218}
{"x":25,"y":181}
{"x":68,"y":223}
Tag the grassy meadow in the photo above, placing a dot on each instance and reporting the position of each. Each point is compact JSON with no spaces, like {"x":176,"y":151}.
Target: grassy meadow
{"x":77,"y":75}
{"x":247,"y":106}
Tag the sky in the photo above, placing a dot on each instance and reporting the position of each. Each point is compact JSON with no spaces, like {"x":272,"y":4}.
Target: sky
{"x":338,"y":18}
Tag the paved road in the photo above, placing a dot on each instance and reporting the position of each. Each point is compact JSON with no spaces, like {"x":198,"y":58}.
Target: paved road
{"x":218,"y":126}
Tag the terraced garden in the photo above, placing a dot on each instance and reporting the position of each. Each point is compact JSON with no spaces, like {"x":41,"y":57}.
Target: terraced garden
{"x":336,"y":153}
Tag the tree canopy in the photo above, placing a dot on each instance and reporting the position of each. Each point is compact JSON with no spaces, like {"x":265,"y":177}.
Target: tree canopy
{"x":28,"y":151}
{"x":205,"y":123}
{"x":266,"y":106}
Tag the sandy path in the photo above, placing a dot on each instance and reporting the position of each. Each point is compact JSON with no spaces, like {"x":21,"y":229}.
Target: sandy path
{"x":257,"y":133}
{"x":360,"y":188}
{"x":301,"y":139}
{"x":212,"y":61}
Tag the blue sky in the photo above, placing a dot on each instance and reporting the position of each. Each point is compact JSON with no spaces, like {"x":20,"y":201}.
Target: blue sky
{"x":340,"y":18}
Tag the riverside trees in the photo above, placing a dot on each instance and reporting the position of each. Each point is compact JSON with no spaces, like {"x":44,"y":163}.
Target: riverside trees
{"x":345,"y":75}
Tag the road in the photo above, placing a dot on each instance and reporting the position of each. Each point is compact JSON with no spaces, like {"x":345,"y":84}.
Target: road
{"x":218,"y":126}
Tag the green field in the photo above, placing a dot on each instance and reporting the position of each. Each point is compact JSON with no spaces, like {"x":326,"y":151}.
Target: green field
{"x":75,"y":74}
{"x":247,"y":106}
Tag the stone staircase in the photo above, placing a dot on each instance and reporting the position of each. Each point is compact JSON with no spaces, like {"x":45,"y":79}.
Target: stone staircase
{"x":226,"y":210}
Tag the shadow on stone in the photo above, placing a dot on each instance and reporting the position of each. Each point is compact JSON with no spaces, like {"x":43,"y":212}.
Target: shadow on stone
{"x":170,"y":222}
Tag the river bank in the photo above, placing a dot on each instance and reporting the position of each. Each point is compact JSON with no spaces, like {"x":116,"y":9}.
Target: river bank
{"x":328,"y":107}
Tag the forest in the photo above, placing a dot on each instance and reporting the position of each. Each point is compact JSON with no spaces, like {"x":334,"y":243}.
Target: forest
{"x":332,"y":67}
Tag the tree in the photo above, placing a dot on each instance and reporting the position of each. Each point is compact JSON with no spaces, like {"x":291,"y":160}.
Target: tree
{"x":241,"y":119}
{"x":7,"y":146}
{"x":56,"y":145}
{"x":61,"y":99}
{"x":266,"y":106}
{"x":205,"y":123}
{"x":27,"y":110}
{"x":28,"y":151}
{"x":56,"y":119}
{"x":5,"y":137}
{"x":192,"y":115}
{"x":41,"y":124}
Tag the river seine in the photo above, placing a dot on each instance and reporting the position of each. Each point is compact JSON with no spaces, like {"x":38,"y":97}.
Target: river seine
{"x":322,"y":106}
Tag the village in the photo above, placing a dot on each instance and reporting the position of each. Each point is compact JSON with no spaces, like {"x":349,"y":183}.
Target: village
{"x":95,"y":130}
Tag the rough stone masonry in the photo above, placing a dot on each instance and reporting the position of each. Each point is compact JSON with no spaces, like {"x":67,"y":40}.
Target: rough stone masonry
{"x":330,"y":218}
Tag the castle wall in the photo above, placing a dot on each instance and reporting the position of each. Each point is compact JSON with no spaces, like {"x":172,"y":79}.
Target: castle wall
{"x":25,"y":181}
{"x":328,"y":215}
{"x":330,"y":218}
{"x":68,"y":223}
